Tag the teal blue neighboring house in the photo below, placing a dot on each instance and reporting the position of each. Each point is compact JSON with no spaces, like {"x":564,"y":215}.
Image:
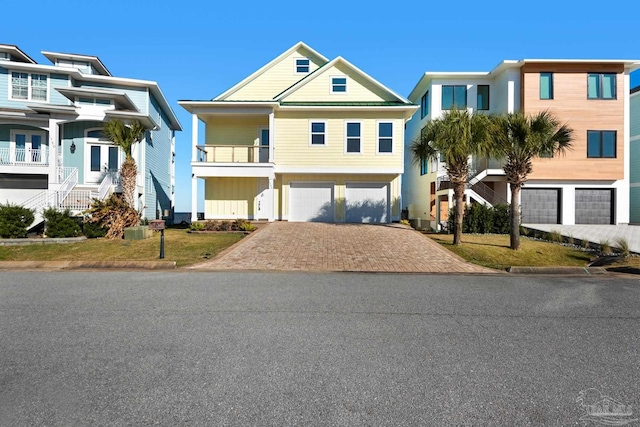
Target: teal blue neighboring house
{"x":634,"y":159}
{"x":52,"y":150}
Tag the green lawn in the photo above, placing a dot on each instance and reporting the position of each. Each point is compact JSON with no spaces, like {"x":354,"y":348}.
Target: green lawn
{"x":180,"y":246}
{"x":492,"y":250}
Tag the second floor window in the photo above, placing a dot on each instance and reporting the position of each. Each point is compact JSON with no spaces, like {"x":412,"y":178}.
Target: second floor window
{"x":302,"y":65}
{"x":546,"y":85}
{"x":601,"y":86}
{"x":338,"y":84}
{"x":318,"y":133}
{"x":601,"y":144}
{"x":353,"y":137}
{"x":424,"y":166}
{"x":454,"y":97}
{"x":424,"y":105}
{"x":29,"y":86}
{"x":483,"y":97}
{"x":385,"y":137}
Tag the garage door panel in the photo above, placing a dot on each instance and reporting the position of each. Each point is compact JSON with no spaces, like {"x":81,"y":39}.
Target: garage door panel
{"x":540,"y":205}
{"x":594,"y":206}
{"x":367,"y":202}
{"x":311,"y":202}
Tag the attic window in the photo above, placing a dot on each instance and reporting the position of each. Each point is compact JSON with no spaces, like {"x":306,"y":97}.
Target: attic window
{"x":338,"y":84}
{"x":302,"y":65}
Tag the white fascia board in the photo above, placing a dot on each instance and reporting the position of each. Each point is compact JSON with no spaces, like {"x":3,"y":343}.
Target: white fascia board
{"x":232,"y":170}
{"x":266,"y":67}
{"x":339,"y":170}
{"x":225,"y":107}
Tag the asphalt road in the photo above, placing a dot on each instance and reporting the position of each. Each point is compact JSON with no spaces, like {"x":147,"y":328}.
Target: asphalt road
{"x":137,"y":348}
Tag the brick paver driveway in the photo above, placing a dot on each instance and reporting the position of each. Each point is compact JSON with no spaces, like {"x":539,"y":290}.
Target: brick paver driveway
{"x":339,"y":247}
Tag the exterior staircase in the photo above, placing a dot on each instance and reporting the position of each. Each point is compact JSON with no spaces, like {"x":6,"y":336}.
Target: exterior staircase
{"x":70,"y":195}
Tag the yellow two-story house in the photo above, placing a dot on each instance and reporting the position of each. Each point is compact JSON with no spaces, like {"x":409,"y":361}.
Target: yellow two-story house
{"x":303,"y":138}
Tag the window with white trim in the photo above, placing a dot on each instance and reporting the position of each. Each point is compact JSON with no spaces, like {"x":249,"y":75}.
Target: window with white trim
{"x":385,"y":137}
{"x":353,"y":131}
{"x":302,"y":65}
{"x":338,"y":84}
{"x":318,"y":133}
{"x":29,"y":86}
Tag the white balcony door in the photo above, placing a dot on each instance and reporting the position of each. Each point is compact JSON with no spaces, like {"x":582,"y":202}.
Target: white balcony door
{"x":99,"y":160}
{"x":264,"y":145}
{"x":28,"y":147}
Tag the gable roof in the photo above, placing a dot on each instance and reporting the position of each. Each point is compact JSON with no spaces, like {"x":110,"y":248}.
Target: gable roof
{"x":265,"y":68}
{"x":301,"y":83}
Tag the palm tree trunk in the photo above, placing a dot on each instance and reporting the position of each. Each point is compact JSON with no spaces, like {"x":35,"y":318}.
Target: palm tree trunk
{"x":515,"y":217}
{"x":128,"y":173}
{"x":458,"y":195}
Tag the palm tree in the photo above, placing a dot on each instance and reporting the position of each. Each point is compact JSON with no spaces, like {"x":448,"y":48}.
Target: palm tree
{"x":519,"y":139}
{"x":126,"y":136}
{"x":456,"y":136}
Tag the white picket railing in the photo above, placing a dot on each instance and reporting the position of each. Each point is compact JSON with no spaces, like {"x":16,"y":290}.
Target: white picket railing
{"x":78,"y":200}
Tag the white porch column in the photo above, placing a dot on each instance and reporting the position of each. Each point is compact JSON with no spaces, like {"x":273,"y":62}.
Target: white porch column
{"x":194,"y":198}
{"x":271,"y":195}
{"x":272,"y":131}
{"x":194,"y":137}
{"x":54,"y":137}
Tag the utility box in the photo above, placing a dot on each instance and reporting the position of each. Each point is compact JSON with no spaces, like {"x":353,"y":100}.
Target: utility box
{"x":139,"y":232}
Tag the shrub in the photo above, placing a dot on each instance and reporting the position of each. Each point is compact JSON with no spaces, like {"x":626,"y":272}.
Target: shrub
{"x":605,"y":247}
{"x":210,"y":225}
{"x":585,"y":244}
{"x":196,"y":226}
{"x":92,"y":230}
{"x":570,"y":240}
{"x":623,"y":246}
{"x":482,"y":219}
{"x":502,"y":219}
{"x":60,"y":223}
{"x":554,"y":236}
{"x":244,"y":225}
{"x":225,"y":226}
{"x":14,"y":220}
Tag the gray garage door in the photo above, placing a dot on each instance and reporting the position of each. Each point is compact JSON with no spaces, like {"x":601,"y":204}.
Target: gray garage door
{"x":540,"y":206}
{"x":594,"y":206}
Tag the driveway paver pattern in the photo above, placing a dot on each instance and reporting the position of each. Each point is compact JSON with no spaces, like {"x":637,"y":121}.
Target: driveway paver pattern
{"x":339,"y":247}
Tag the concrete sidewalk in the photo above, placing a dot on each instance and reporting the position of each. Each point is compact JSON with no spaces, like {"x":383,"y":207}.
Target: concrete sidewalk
{"x":595,"y":233}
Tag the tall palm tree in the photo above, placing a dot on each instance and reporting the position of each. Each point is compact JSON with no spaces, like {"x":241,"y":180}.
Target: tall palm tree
{"x":126,"y":136}
{"x":456,"y":136}
{"x":520,"y":138}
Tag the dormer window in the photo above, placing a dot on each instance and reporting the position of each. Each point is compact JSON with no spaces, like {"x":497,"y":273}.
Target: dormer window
{"x":79,"y":65}
{"x":338,"y":84}
{"x":96,"y":102}
{"x":302,"y":65}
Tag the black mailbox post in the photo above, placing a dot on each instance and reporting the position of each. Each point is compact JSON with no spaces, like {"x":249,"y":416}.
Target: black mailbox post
{"x":158,"y":225}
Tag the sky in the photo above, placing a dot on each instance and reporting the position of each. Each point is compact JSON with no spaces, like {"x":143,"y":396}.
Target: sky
{"x":197,"y":49}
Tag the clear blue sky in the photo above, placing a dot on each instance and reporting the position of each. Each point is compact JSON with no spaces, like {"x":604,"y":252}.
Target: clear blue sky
{"x":197,"y":49}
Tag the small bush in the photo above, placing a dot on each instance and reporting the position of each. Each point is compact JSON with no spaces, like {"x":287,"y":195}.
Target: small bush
{"x":405,"y":222}
{"x":60,"y":223}
{"x":555,"y":236}
{"x":14,"y":220}
{"x":570,"y":240}
{"x":623,"y":246}
{"x":225,"y":226}
{"x":210,"y":225}
{"x":92,"y":230}
{"x":482,"y":219}
{"x":584,"y":244}
{"x":605,"y":248}
{"x":243,"y":225}
{"x":196,"y":226}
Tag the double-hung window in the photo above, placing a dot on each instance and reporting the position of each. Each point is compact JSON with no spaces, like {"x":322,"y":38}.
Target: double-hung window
{"x":318,"y":133}
{"x":601,"y":144}
{"x":385,"y":137}
{"x":546,"y":85}
{"x":302,"y":65}
{"x":29,"y":86}
{"x":601,"y":86}
{"x":424,"y":105}
{"x":353,"y":131}
{"x":338,"y":84}
{"x":483,"y":97}
{"x":454,"y":97}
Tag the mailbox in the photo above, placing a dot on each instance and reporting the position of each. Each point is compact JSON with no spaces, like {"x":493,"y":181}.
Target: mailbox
{"x":156,"y":225}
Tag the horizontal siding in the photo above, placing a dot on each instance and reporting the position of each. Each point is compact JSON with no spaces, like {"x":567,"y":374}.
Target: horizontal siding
{"x":340,"y":181}
{"x":635,"y":114}
{"x":570,"y":105}
{"x":5,"y":134}
{"x":234,"y":130}
{"x":276,"y":79}
{"x":230,"y":197}
{"x":55,"y":80}
{"x":292,"y":140}
{"x":358,"y":88}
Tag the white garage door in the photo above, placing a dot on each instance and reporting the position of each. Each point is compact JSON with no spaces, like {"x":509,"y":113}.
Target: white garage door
{"x":367,"y":202}
{"x":311,"y":201}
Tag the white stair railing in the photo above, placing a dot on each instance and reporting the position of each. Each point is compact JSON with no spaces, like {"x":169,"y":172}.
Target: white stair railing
{"x":105,"y":186}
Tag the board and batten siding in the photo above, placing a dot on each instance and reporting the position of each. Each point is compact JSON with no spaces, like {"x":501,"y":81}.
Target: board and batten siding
{"x":340,"y":181}
{"x":74,"y":133}
{"x":292,"y":135}
{"x":157,"y":173}
{"x":571,"y":106}
{"x":277,"y":78}
{"x":230,"y":198}
{"x":359,"y":89}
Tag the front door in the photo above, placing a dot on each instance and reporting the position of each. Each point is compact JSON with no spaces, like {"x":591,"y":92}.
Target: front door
{"x":102,"y":158}
{"x":264,"y":145}
{"x":28,"y":147}
{"x":263,"y":199}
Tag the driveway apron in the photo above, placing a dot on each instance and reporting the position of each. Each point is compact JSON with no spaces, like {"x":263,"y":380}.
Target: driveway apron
{"x":297,"y":246}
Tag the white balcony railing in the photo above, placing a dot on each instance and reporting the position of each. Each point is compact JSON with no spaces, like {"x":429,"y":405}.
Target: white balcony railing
{"x":233,"y":154}
{"x":24,"y":156}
